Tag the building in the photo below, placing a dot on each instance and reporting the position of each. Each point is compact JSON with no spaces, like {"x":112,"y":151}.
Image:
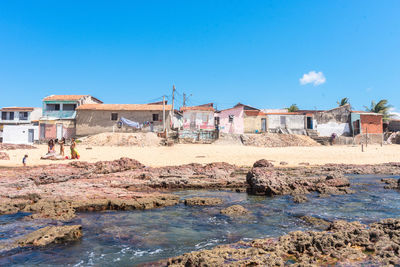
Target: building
{"x":241,"y":119}
{"x":58,"y":116}
{"x":394,"y":125}
{"x":254,"y":121}
{"x":334,"y":121}
{"x":99,"y":118}
{"x":366,"y":123}
{"x":198,"y":123}
{"x":288,"y":122}
{"x":18,"y":125}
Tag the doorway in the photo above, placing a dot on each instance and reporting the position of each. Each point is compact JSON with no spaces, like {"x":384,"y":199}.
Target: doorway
{"x":309,"y":123}
{"x":263,"y":124}
{"x":31,"y":135}
{"x":59,"y":131}
{"x":42,"y":131}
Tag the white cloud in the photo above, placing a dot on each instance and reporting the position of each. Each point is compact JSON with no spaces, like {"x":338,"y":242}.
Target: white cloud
{"x":316,"y":78}
{"x":394,"y":113}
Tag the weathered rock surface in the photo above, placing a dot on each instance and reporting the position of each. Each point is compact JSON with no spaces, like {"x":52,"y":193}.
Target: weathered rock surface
{"x":345,"y":242}
{"x":235,"y":210}
{"x":265,"y":180}
{"x":15,"y":146}
{"x":315,"y":221}
{"x":300,"y":199}
{"x":203,"y":201}
{"x":51,"y":234}
{"x":391,"y":183}
{"x":4,"y":156}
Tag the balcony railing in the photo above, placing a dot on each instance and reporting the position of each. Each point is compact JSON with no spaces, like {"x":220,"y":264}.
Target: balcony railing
{"x":61,"y":114}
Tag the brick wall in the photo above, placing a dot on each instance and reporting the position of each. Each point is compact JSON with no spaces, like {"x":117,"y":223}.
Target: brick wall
{"x":371,"y":124}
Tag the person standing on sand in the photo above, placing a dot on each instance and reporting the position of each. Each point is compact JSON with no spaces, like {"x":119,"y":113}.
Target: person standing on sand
{"x":24,"y":160}
{"x":51,"y":148}
{"x":62,"y":143}
{"x":74,"y":152}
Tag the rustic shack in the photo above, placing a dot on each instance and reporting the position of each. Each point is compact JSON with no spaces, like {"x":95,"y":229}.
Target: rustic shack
{"x":335,"y":121}
{"x":198,"y":123}
{"x":287,"y":122}
{"x":99,"y":118}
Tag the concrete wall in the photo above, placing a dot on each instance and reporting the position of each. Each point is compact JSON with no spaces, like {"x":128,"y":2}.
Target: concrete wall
{"x":18,"y":134}
{"x":234,"y":127}
{"x":50,"y":129}
{"x":90,"y":122}
{"x":293,"y":122}
{"x":336,"y":121}
{"x":196,"y":119}
{"x":253,"y":124}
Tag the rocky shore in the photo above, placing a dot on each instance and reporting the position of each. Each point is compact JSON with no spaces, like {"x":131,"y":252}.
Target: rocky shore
{"x":57,"y":192}
{"x":345,"y":242}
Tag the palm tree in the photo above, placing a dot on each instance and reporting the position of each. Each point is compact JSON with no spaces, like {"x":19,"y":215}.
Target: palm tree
{"x":343,"y":102}
{"x":293,"y":108}
{"x":381,"y":107}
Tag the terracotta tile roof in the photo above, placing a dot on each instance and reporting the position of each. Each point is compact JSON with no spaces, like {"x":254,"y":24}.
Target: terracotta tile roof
{"x":200,"y":108}
{"x":64,"y":97}
{"x":17,"y":109}
{"x":127,"y":107}
{"x":254,"y":113}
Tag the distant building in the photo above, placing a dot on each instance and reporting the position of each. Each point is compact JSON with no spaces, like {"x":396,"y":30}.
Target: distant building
{"x":366,"y":122}
{"x":287,"y":122}
{"x":59,"y":112}
{"x":18,"y":125}
{"x":99,"y":118}
{"x":334,"y":121}
{"x":198,"y":123}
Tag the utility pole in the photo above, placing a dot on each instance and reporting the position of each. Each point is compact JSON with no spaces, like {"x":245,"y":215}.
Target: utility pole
{"x":184,"y":99}
{"x":163,"y":112}
{"x":173,"y":94}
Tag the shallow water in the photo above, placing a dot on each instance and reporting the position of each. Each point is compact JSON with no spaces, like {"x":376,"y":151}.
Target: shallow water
{"x":133,"y":237}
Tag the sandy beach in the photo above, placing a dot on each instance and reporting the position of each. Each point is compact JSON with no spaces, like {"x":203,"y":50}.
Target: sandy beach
{"x":234,"y":154}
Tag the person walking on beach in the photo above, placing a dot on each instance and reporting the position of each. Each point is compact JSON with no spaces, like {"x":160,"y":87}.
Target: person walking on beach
{"x":24,"y":160}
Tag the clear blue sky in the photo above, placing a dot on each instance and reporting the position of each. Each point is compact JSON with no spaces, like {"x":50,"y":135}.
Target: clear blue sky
{"x":224,"y":52}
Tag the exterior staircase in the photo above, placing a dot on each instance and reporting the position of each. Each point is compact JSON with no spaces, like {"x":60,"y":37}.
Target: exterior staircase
{"x":323,"y":140}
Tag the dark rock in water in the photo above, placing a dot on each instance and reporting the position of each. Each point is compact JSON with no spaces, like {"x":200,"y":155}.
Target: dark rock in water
{"x":315,"y":221}
{"x":283,"y":163}
{"x":345,"y":242}
{"x":300,"y":199}
{"x":203,"y":201}
{"x":263,"y":163}
{"x":235,"y":210}
{"x":51,"y":234}
{"x":391,"y":183}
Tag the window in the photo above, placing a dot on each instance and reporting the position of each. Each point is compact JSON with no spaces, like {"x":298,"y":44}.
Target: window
{"x":283,"y":120}
{"x":11,"y":116}
{"x":4,"y":115}
{"x":155,"y":117}
{"x":114,"y":116}
{"x":53,"y":107}
{"x":69,"y":107}
{"x":23,"y":116}
{"x":231,"y":118}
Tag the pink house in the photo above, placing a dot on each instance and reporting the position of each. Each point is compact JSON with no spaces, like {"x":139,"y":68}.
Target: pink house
{"x":232,"y":120}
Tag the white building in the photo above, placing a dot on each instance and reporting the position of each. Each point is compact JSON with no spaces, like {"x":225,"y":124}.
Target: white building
{"x":19,"y":125}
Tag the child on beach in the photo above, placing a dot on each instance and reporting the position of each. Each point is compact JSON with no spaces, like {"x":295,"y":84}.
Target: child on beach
{"x":24,"y":160}
{"x":62,"y":143}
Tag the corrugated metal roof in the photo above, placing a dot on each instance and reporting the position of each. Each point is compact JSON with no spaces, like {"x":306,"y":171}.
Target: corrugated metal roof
{"x":127,"y":107}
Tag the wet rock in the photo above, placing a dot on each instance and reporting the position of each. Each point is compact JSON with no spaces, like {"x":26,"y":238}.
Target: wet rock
{"x":321,"y":223}
{"x":262,"y":163}
{"x":304,"y":163}
{"x":391,"y":183}
{"x":344,"y":242}
{"x":4,"y":156}
{"x":235,"y":210}
{"x":300,"y":199}
{"x":283,"y":163}
{"x":51,"y":234}
{"x":203,"y":201}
